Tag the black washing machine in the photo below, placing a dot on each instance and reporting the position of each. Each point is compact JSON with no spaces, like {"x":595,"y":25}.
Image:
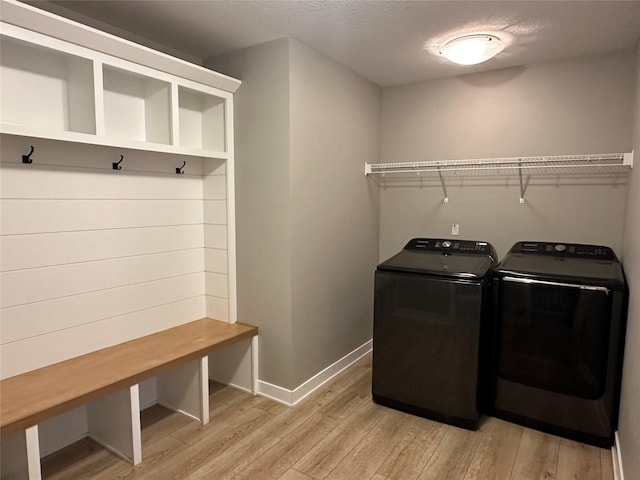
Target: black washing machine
{"x":430,"y":302}
{"x":558,"y":336}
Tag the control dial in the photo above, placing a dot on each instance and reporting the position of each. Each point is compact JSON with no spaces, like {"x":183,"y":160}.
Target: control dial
{"x":446,"y":244}
{"x":560,"y":247}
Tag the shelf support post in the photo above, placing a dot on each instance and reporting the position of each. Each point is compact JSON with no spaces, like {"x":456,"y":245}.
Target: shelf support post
{"x":521,"y":184}
{"x":444,"y":187}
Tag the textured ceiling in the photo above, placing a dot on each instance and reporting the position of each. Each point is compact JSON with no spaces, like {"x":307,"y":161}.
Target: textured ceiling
{"x":389,"y":42}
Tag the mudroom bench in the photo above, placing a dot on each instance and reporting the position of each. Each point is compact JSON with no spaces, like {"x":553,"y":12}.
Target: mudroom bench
{"x":106,"y":381}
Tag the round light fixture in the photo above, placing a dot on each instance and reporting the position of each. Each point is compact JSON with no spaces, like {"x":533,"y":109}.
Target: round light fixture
{"x":471,"y":49}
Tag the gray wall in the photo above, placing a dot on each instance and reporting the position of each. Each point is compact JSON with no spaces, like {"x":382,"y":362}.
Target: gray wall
{"x":334,"y":130}
{"x":263,"y":203}
{"x":307,"y":219}
{"x":630,"y":401}
{"x":568,"y":107}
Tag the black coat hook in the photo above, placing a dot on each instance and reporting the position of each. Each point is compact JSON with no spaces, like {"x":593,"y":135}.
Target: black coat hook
{"x":27,"y":158}
{"x":179,"y":169}
{"x":116,"y":165}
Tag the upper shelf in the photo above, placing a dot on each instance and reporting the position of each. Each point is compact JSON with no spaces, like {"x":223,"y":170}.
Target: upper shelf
{"x":58,"y":90}
{"x":555,"y":165}
{"x":596,"y":164}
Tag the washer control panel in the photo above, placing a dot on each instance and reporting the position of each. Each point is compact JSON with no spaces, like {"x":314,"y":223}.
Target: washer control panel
{"x":576,"y":250}
{"x":445,"y":245}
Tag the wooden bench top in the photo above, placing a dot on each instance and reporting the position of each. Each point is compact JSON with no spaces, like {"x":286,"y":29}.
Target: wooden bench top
{"x":34,"y":396}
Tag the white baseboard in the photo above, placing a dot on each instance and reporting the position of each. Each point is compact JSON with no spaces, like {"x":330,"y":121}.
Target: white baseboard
{"x":618,"y":473}
{"x":291,"y":397}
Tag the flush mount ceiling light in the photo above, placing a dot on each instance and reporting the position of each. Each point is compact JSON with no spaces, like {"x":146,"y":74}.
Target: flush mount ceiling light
{"x":471,"y":49}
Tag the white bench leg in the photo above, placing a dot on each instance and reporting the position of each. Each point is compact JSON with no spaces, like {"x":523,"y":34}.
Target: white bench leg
{"x":21,"y":455}
{"x":254,"y":364}
{"x":185,"y":389}
{"x":33,"y":452}
{"x":114,"y":422}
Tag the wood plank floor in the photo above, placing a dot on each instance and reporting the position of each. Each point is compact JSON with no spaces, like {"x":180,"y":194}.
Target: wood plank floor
{"x":335,"y":434}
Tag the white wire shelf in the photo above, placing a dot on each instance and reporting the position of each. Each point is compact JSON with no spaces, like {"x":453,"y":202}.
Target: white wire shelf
{"x":595,"y":164}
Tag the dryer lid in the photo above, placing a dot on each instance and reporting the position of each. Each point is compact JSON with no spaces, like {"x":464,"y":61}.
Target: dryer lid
{"x":461,"y":259}
{"x":564,"y":262}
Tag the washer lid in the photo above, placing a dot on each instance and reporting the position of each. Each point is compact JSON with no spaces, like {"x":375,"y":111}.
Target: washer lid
{"x":462,"y":259}
{"x":563,"y":262}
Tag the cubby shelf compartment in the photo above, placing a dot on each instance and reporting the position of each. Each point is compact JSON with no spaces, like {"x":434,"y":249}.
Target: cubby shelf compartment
{"x":45,"y":89}
{"x":201,"y":120}
{"x":136,"y":107}
{"x":595,"y":164}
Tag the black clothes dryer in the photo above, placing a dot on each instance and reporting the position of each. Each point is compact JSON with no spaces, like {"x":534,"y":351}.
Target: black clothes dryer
{"x":430,"y":301}
{"x":560,"y":316}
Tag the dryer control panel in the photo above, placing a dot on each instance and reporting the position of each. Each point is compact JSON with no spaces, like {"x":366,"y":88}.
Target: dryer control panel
{"x":444,"y":246}
{"x":574,"y":250}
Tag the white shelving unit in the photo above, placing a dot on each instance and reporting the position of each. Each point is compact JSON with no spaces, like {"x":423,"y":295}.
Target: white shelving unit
{"x":596,"y":164}
{"x":59,"y":90}
{"x":63,"y":81}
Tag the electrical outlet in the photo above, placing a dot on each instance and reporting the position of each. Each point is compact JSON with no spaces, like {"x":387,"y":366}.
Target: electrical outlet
{"x":455,"y":229}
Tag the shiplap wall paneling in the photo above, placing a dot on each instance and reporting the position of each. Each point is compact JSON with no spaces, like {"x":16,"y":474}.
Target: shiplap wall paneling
{"x":216,"y":239}
{"x":25,"y":288}
{"x":92,"y":256}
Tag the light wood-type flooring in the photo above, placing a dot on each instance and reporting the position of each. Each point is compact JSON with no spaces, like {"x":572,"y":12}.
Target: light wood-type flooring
{"x":335,"y":434}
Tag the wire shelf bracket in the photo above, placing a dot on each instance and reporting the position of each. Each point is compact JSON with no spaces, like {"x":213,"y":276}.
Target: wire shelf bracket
{"x":621,"y":163}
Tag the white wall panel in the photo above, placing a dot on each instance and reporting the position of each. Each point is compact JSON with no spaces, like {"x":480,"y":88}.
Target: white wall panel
{"x":68,"y":312}
{"x":46,"y":215}
{"x":217,"y":284}
{"x":216,"y":239}
{"x":35,"y":352}
{"x":38,"y":181}
{"x":32,"y":251}
{"x":92,"y":256}
{"x":218,"y":308}
{"x":215,"y":212}
{"x":215,"y":187}
{"x":215,"y":260}
{"x":35,"y":285}
{"x":215,"y":236}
